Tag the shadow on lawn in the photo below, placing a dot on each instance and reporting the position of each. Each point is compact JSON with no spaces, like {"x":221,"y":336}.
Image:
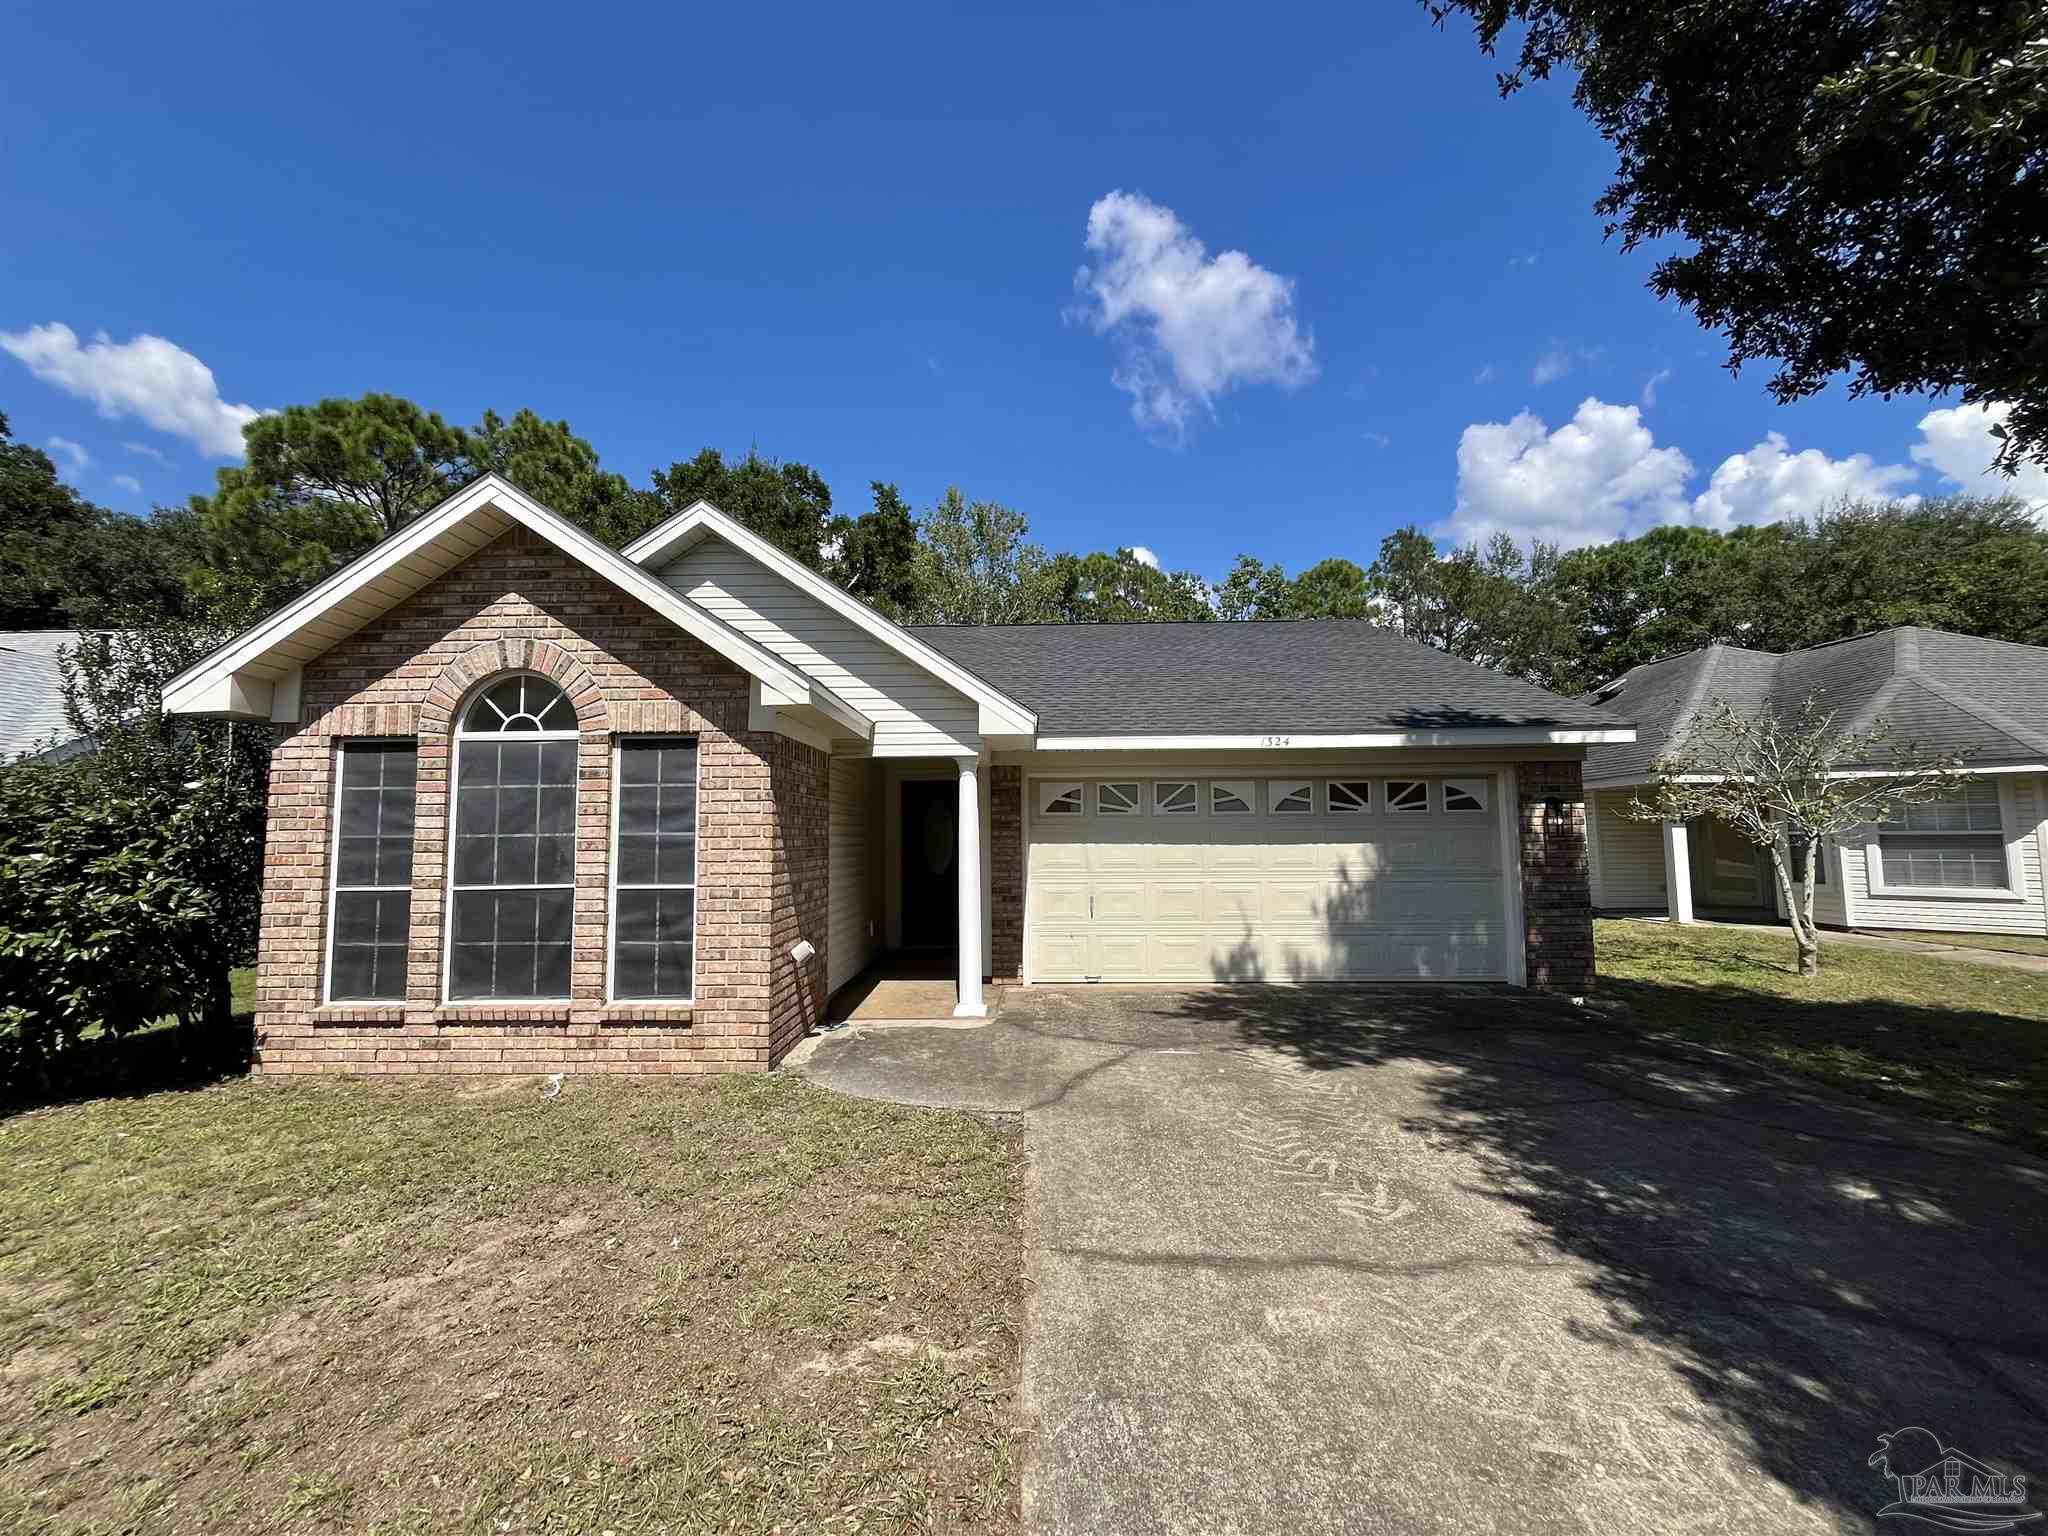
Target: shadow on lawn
{"x":153,"y":1060}
{"x":1818,"y":1272}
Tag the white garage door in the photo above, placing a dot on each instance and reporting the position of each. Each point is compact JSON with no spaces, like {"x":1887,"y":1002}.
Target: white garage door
{"x":1326,"y":879}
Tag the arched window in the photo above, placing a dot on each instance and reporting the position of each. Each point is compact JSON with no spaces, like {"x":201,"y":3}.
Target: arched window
{"x":511,"y":904}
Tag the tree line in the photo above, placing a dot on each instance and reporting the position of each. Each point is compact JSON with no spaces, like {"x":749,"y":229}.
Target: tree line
{"x":323,"y":483}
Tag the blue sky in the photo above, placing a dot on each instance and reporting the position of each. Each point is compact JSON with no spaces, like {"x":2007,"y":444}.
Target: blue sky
{"x":852,"y":237}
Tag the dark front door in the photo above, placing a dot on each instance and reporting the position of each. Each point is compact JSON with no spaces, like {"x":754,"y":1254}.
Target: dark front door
{"x":931,"y":850}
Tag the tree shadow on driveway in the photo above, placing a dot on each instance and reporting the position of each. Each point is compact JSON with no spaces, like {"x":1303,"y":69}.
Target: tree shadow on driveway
{"x":1819,"y":1272}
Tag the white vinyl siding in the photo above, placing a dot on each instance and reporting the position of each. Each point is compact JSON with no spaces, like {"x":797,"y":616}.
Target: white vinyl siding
{"x":1255,"y":894}
{"x":853,"y":916}
{"x":1628,"y":868}
{"x":2023,"y":912}
{"x":915,"y":714}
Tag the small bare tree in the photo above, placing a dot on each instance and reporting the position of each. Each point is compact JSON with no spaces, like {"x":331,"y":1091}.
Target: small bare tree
{"x":1786,"y":785}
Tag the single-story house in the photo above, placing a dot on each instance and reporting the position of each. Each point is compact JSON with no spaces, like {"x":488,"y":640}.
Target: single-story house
{"x":538,"y":804}
{"x":33,"y":727}
{"x":1971,"y":861}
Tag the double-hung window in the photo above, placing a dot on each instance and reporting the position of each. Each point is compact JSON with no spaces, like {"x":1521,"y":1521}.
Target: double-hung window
{"x":654,"y":869}
{"x":512,"y":902}
{"x":1953,"y":842}
{"x":371,"y":879}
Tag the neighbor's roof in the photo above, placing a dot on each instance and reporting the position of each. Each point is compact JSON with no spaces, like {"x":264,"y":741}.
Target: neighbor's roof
{"x":1309,"y":676}
{"x":1944,"y":692}
{"x":32,"y":691}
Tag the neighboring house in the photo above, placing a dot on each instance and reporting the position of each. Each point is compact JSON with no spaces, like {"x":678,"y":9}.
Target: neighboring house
{"x":32,"y":723}
{"x":542,"y":805}
{"x":1971,"y":861}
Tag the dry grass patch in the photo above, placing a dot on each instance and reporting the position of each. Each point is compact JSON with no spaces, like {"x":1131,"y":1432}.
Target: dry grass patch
{"x":744,"y":1306}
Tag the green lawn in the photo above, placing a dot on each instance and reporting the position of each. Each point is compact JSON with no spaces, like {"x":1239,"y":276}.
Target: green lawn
{"x":741,"y":1305}
{"x":1962,"y":1042}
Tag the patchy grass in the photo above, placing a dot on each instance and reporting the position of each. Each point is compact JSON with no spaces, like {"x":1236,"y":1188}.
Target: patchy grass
{"x":2010,"y":943}
{"x":746,"y":1305}
{"x":1962,"y":1042}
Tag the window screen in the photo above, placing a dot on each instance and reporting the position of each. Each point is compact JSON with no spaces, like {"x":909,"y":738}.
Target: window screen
{"x":515,"y":866}
{"x":655,"y":870}
{"x":1955,"y":841}
{"x":372,"y":874}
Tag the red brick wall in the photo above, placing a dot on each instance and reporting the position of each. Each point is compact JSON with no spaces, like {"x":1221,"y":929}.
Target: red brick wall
{"x":520,"y":605}
{"x":1557,"y":902}
{"x":1006,"y":873}
{"x":801,"y":894}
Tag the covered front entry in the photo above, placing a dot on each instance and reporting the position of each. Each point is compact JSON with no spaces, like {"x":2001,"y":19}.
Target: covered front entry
{"x":1346,"y":877}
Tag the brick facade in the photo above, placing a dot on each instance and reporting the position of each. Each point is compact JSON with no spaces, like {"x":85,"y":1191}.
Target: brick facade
{"x":1557,"y":900}
{"x":1006,"y":873}
{"x":520,"y":605}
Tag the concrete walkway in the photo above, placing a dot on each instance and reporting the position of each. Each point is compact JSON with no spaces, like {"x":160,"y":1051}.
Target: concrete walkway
{"x":1928,"y":944}
{"x":1325,"y":1260}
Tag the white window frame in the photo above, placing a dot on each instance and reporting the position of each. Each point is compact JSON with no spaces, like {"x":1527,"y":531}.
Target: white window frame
{"x":613,"y":886}
{"x":1331,"y":806}
{"x":1477,"y":789}
{"x":1387,"y":798}
{"x":1245,"y":791}
{"x":2014,"y":888}
{"x":342,"y":747}
{"x":1192,"y":786}
{"x":1280,"y":791}
{"x":1053,"y":792}
{"x":1135,"y":808}
{"x":460,"y":735}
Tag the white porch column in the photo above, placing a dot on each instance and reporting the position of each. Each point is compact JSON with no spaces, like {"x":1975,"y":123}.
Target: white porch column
{"x":1677,"y":873}
{"x":970,"y":1005}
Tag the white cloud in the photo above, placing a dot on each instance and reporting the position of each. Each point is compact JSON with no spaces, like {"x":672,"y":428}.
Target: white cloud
{"x":129,"y":484}
{"x":148,"y":452}
{"x":1957,"y":445}
{"x":1551,"y":366}
{"x":1379,"y":440}
{"x":1602,"y":475}
{"x":1527,"y":260}
{"x":1144,"y":556}
{"x":1770,"y":483}
{"x":149,"y":378}
{"x":1651,"y":386}
{"x":65,"y":449}
{"x":1191,"y":326}
{"x":1486,"y":375}
{"x":1597,"y":475}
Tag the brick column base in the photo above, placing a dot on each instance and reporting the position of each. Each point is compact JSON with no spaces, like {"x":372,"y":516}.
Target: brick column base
{"x":1006,"y":873}
{"x":1557,"y":901}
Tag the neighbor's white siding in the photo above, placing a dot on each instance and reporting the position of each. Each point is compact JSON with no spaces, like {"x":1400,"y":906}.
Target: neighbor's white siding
{"x":852,"y":941}
{"x":2022,"y":803}
{"x":1629,"y":863}
{"x":915,"y":714}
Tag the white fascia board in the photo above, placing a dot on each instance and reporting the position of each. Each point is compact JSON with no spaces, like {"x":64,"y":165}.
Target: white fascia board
{"x":1483,"y":736}
{"x":831,"y":705}
{"x":1968,"y":771}
{"x":1001,"y":715}
{"x":185,"y":692}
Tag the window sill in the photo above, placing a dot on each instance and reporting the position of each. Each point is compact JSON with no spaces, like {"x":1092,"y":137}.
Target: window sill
{"x":483,"y":1011}
{"x":359,"y":1013}
{"x":1943,"y":893}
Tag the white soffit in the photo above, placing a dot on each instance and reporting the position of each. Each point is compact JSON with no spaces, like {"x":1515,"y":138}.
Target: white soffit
{"x":232,"y":678}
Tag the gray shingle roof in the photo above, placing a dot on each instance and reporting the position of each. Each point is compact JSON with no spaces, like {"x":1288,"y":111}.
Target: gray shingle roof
{"x":31,"y":690}
{"x":1305,"y":676}
{"x":1951,"y":693}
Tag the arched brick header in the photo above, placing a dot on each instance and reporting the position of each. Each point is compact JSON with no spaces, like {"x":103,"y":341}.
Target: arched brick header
{"x":480,"y":663}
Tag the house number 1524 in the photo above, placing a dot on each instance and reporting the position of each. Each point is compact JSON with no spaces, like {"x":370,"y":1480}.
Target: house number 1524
{"x":1276,"y":741}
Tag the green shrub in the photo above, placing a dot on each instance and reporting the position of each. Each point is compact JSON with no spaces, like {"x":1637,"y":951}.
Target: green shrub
{"x":108,"y":912}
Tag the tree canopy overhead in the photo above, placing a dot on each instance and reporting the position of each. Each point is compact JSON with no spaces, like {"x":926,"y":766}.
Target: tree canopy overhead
{"x":1859,"y":181}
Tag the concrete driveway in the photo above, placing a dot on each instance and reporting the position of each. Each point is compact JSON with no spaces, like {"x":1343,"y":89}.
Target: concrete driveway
{"x":1326,"y":1260}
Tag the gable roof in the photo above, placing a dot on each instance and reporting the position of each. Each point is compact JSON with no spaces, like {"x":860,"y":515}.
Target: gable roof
{"x":239,"y":677}
{"x":32,"y":693}
{"x":1946,"y":692}
{"x":1003,"y":714}
{"x":1120,"y":684}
